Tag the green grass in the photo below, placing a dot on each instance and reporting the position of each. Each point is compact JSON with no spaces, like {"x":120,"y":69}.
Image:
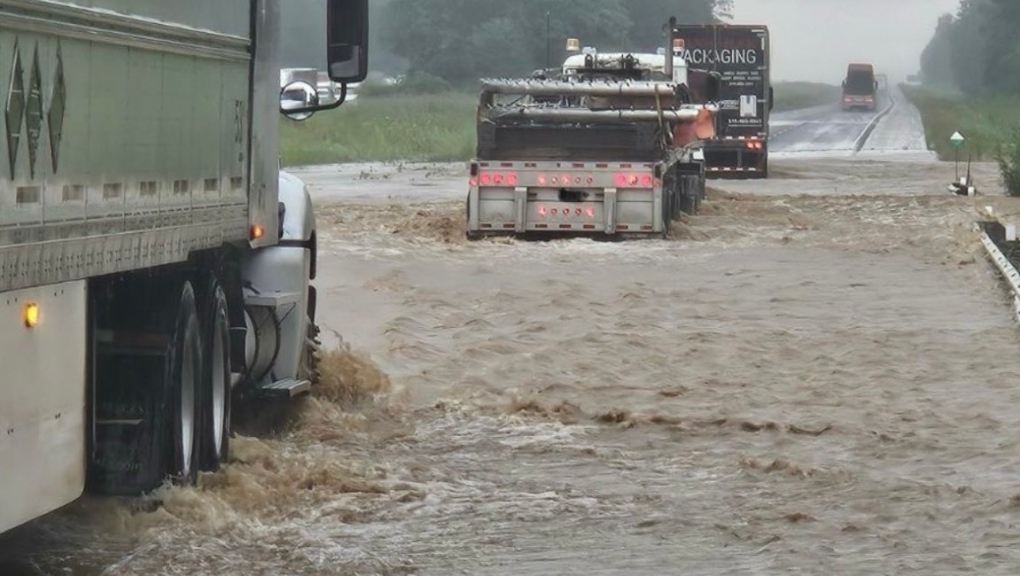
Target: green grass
{"x":798,"y":95}
{"x":381,"y":128}
{"x":987,"y":123}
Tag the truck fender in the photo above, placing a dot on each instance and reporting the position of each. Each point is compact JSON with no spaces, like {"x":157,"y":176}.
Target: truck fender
{"x":298,"y":219}
{"x":276,"y":282}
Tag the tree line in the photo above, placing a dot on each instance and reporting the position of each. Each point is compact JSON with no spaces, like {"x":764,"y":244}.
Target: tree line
{"x":462,"y":40}
{"x":977,"y":49}
{"x":459,"y":41}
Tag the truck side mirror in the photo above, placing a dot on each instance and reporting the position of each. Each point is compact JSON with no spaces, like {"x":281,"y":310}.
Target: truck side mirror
{"x":347,"y":40}
{"x":300,"y":96}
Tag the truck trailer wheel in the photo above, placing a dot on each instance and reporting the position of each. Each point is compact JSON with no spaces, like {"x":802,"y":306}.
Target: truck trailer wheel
{"x":182,"y":388}
{"x":690,"y":195}
{"x":215,"y":394}
{"x":146,"y":381}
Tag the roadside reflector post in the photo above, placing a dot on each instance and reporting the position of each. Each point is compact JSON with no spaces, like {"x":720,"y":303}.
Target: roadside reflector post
{"x":957,"y":140}
{"x":961,"y":186}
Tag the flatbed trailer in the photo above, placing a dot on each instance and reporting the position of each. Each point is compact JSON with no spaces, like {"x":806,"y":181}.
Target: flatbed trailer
{"x":558,"y":166}
{"x":155,"y":263}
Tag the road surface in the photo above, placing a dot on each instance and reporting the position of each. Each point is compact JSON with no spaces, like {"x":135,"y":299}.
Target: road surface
{"x":827,"y":131}
{"x":815,"y":375}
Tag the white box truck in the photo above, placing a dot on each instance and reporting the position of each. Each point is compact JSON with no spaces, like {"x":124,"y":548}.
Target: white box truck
{"x":155,"y":263}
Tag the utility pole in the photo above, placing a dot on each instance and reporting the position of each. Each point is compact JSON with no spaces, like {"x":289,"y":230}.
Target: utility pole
{"x":548,"y":39}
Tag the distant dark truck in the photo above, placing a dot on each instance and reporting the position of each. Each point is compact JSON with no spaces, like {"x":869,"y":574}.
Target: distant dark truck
{"x":740,"y":56}
{"x":860,"y":88}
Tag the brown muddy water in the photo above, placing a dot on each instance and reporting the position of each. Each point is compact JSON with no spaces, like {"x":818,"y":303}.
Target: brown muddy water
{"x":809,"y":383}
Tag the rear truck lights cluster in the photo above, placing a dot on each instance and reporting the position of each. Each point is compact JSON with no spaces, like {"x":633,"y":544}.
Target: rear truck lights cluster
{"x":545,"y":211}
{"x":510,"y":179}
{"x":634,"y":180}
{"x":755,"y":145}
{"x":495,"y":179}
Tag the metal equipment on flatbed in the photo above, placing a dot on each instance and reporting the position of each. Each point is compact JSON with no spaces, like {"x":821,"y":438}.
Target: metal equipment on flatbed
{"x":155,"y":263}
{"x":593,"y":152}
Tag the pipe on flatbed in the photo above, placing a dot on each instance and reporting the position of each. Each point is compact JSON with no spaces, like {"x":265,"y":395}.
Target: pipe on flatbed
{"x":586,"y":115}
{"x":561,"y":88}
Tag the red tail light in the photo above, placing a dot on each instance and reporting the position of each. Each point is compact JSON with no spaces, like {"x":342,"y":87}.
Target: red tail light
{"x":498,"y":179}
{"x":634,"y":180}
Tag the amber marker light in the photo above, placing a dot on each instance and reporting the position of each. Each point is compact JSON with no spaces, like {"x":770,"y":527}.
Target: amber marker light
{"x":257,"y":232}
{"x":31,"y":315}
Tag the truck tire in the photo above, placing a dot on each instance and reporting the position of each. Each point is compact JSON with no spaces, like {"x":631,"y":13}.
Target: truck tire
{"x":182,"y":389}
{"x":146,"y":380}
{"x":469,"y":235}
{"x":690,"y":195}
{"x":215,"y":393}
{"x":667,"y":213}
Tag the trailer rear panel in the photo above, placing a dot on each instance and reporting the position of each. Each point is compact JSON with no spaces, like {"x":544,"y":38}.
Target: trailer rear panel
{"x":740,"y":55}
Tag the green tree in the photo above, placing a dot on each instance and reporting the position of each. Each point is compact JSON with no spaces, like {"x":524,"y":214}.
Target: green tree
{"x":977,"y":49}
{"x":462,"y":40}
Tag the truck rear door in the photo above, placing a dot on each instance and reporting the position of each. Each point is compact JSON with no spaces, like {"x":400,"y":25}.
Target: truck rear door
{"x":740,"y":54}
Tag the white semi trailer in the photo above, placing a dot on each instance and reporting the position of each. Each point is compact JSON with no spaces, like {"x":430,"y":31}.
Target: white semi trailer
{"x":155,"y":263}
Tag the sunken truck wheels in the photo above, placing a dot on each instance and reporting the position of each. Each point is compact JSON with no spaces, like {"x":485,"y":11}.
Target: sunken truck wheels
{"x":161,"y":382}
{"x":215,"y":390}
{"x":183,"y":385}
{"x":147,"y":380}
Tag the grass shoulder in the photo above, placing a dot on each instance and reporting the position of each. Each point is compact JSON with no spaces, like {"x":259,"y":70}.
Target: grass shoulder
{"x":990,"y":125}
{"x":384,"y":127}
{"x":987,"y":123}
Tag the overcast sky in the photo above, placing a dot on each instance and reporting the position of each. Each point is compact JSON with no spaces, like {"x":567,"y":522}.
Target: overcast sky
{"x":816,"y":39}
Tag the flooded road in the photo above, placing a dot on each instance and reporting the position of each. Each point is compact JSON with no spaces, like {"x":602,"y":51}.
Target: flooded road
{"x":794,"y":383}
